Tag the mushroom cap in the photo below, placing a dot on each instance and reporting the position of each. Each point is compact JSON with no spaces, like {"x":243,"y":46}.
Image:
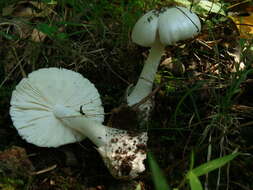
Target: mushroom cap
{"x":33,"y":101}
{"x":145,"y":30}
{"x":169,"y":25}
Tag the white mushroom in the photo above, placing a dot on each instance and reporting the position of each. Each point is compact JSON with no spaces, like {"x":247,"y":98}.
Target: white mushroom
{"x":156,"y":29}
{"x":55,"y":106}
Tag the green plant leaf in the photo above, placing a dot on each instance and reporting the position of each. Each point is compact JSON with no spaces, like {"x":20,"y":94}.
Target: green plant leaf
{"x":138,"y":187}
{"x":52,"y":31}
{"x":203,"y":7}
{"x":62,"y":36}
{"x":46,"y":29}
{"x":213,"y":164}
{"x":194,"y":181}
{"x":157,"y":175}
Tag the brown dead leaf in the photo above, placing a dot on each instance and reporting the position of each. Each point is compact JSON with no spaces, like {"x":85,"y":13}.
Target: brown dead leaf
{"x":14,"y":162}
{"x":177,"y":68}
{"x":244,"y":25}
{"x":242,"y":15}
{"x":38,"y":36}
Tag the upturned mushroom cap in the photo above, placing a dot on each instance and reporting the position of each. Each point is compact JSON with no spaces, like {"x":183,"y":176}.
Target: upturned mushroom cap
{"x":33,"y":101}
{"x":168,"y":25}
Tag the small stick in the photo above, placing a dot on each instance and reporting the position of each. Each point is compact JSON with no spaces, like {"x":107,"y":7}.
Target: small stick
{"x":45,"y":170}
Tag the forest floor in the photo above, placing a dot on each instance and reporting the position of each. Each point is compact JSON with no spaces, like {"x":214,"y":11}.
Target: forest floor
{"x":203,"y":104}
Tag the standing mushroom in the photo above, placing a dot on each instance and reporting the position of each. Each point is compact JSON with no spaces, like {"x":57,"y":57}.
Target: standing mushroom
{"x":53,"y":107}
{"x":156,"y":29}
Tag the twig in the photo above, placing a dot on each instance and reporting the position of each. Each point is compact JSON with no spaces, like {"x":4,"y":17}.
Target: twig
{"x":115,"y":73}
{"x":10,"y":73}
{"x":135,"y":106}
{"x":45,"y":170}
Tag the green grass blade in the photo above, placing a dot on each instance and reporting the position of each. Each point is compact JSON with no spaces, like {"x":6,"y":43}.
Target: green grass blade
{"x":194,"y":181}
{"x":8,"y":36}
{"x":213,"y":164}
{"x":157,"y":175}
{"x":192,"y":160}
{"x":181,"y":101}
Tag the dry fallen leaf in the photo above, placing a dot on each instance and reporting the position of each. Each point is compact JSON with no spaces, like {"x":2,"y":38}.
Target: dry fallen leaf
{"x":38,"y":36}
{"x":242,"y":15}
{"x":244,"y":25}
{"x":14,"y":162}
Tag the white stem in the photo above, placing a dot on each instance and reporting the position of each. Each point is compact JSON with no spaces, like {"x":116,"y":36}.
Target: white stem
{"x":122,"y":153}
{"x":95,"y":131}
{"x":145,"y":82}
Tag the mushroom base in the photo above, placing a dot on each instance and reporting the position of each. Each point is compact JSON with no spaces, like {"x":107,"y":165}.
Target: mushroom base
{"x":124,"y":154}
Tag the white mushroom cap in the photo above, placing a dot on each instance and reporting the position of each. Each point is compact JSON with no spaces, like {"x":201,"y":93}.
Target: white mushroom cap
{"x":178,"y":23}
{"x":145,"y":30}
{"x":169,"y":25}
{"x":33,"y":101}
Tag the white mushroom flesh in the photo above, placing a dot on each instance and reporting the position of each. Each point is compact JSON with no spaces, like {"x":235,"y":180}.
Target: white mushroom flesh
{"x":125,"y":153}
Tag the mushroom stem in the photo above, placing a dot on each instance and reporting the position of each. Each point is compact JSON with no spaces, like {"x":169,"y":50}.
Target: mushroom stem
{"x":145,"y":82}
{"x":95,"y":131}
{"x":122,"y":152}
